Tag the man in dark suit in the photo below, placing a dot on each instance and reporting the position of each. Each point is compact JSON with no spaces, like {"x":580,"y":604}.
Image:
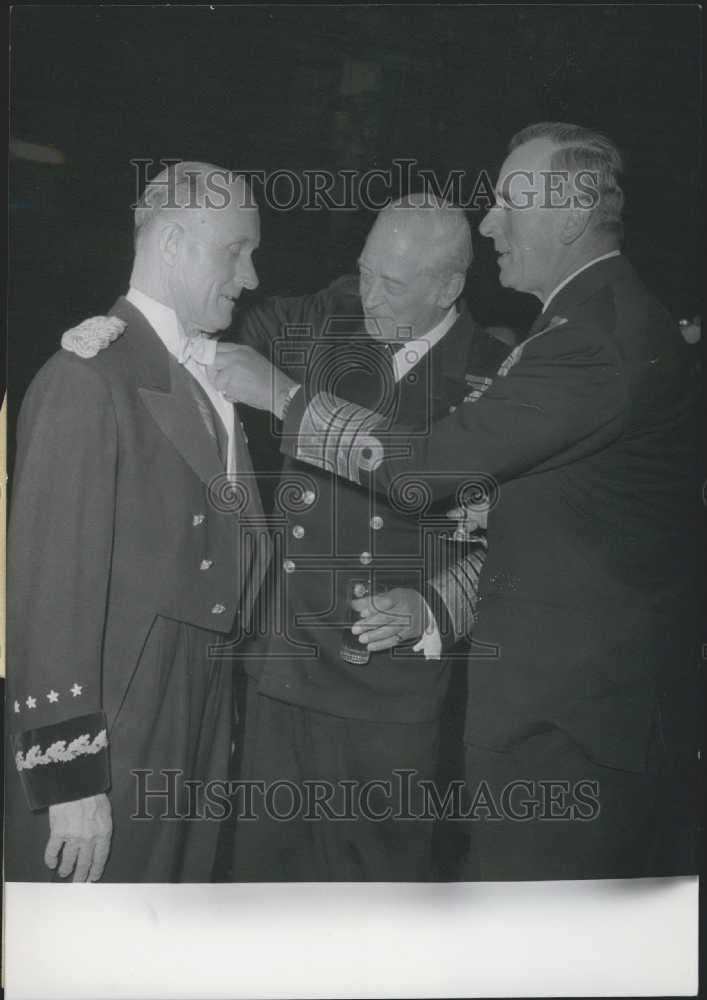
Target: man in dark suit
{"x":398,"y":340}
{"x":125,"y":572}
{"x":579,"y":734}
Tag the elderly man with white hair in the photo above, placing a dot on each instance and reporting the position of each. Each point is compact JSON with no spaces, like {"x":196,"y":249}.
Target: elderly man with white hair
{"x":344,"y":732}
{"x":124,"y":574}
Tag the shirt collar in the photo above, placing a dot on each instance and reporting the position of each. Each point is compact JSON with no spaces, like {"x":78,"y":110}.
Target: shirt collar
{"x":434,"y":335}
{"x":198,"y":348}
{"x":570,"y":277}
{"x":161,"y":318}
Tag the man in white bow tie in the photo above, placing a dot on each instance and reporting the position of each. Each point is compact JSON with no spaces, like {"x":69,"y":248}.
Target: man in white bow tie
{"x":127,"y":563}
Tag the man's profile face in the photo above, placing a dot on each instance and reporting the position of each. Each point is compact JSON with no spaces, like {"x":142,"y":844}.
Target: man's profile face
{"x":522,"y":224}
{"x":215,"y":262}
{"x":398,"y":294}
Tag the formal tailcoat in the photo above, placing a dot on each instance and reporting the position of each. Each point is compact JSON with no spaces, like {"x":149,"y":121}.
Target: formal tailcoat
{"x":585,"y":595}
{"x":127,"y":569}
{"x":332,"y":533}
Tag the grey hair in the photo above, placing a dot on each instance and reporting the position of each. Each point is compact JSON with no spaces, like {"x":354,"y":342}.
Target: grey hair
{"x":585,"y":149}
{"x":445,"y":228}
{"x":181,"y":186}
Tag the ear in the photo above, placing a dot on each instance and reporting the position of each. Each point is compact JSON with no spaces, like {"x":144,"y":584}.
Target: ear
{"x":574,"y":225}
{"x":450,"y":290}
{"x":170,"y":240}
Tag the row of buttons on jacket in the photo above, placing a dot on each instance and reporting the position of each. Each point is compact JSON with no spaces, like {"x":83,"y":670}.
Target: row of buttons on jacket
{"x":198,"y":519}
{"x":365,"y":558}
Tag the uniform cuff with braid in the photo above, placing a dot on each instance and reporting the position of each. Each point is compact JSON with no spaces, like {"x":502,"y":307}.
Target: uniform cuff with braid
{"x":287,"y":398}
{"x":63,"y":762}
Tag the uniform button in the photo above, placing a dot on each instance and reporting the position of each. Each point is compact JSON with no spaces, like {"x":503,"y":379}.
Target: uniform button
{"x":298,"y":531}
{"x":376,"y":523}
{"x":289,"y":566}
{"x":365,"y":558}
{"x":308,"y":497}
{"x":198,"y":519}
{"x":206,"y":564}
{"x":218,"y":609}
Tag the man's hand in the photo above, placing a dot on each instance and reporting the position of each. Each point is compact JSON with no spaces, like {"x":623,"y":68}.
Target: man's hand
{"x":398,"y":615}
{"x":244,"y":376}
{"x":81,"y":831}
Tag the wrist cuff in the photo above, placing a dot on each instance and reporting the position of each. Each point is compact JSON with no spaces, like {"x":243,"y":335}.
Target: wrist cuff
{"x":63,"y":762}
{"x":288,"y":399}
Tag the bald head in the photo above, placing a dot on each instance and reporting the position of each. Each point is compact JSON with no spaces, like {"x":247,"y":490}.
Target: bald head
{"x":191,"y":193}
{"x":440,"y":229}
{"x":196,"y":228}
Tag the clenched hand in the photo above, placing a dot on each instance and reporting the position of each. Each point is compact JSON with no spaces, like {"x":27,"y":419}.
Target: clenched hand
{"x":244,"y":376}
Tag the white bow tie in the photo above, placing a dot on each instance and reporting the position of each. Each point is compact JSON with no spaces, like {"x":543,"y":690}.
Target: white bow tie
{"x":199,"y":348}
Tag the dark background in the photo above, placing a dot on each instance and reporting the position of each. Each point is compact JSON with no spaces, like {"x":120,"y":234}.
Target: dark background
{"x":274,"y":87}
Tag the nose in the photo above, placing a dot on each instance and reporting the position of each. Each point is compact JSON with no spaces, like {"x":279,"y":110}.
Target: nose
{"x":370,"y":289}
{"x":246,"y":274}
{"x":489,"y":225}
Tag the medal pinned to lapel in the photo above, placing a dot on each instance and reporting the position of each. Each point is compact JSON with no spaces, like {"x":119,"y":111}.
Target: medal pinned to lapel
{"x":478,"y":385}
{"x":554,"y":321}
{"x":517,"y":352}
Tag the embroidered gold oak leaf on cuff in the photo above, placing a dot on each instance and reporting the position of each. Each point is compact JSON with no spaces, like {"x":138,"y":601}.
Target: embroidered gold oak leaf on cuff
{"x":59,"y":752}
{"x":92,"y":336}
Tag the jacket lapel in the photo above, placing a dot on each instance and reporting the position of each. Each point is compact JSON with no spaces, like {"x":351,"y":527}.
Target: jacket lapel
{"x":439,"y":378}
{"x":454,"y":348}
{"x":255,"y":543}
{"x":177,"y":415}
{"x":164,"y":389}
{"x":415,"y":393}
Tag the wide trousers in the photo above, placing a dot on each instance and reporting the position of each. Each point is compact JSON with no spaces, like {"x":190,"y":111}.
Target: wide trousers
{"x":173,"y":727}
{"x":325,"y":798}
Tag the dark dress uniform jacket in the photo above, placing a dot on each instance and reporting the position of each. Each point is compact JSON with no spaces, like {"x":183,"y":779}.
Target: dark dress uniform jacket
{"x":112,"y":532}
{"x":332,"y":532}
{"x":586,"y":589}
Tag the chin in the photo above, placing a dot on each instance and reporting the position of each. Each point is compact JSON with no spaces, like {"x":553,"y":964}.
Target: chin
{"x":219,"y":325}
{"x":507,"y":281}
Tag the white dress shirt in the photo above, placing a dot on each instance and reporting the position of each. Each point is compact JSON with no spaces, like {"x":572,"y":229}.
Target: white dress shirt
{"x":166,"y":325}
{"x":566,"y":281}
